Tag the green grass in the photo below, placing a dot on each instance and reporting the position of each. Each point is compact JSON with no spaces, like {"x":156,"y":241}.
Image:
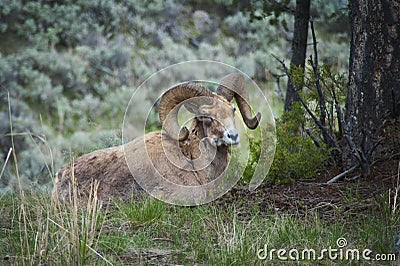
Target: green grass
{"x":35,"y":230}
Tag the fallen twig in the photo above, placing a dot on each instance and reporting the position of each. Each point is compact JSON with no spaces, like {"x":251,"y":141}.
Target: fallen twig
{"x":341,"y":175}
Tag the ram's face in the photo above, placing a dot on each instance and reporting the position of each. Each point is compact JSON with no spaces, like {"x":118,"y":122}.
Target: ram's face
{"x":218,"y":120}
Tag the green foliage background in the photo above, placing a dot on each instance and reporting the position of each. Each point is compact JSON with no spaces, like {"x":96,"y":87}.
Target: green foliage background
{"x":69,"y":68}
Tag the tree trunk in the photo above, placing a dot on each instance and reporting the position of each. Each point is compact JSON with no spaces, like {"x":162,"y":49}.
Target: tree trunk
{"x":374,"y":78}
{"x":299,"y":45}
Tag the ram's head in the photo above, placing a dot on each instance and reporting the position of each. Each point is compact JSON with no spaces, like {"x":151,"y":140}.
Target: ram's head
{"x":214,"y":112}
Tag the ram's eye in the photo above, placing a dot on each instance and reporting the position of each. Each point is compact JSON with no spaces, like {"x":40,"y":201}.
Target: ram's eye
{"x":234,"y":109}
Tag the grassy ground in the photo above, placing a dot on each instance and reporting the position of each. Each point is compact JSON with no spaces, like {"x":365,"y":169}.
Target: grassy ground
{"x":234,"y":230}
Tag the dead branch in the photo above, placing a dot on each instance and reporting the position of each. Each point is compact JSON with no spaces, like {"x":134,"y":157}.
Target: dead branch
{"x":351,"y":144}
{"x":385,"y":158}
{"x":314,"y":65}
{"x":341,"y":175}
{"x":325,"y":133}
{"x":373,"y":148}
{"x":278,"y":83}
{"x":338,"y":111}
{"x":309,"y":133}
{"x":359,"y":154}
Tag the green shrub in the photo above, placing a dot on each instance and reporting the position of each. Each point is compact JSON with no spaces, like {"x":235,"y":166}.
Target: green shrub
{"x":301,"y":151}
{"x":296,"y":156}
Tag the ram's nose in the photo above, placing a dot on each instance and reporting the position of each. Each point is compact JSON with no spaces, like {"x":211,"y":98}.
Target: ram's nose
{"x":231,"y":137}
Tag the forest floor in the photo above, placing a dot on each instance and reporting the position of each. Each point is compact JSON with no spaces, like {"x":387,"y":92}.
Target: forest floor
{"x":352,"y":195}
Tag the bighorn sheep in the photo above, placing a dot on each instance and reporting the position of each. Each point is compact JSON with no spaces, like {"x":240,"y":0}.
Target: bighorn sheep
{"x":186,"y":157}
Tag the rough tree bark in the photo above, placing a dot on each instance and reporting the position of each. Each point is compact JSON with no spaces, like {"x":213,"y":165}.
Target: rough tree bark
{"x":374,"y":78}
{"x":299,"y":44}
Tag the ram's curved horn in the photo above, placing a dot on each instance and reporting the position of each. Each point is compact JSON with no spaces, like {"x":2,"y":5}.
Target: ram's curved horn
{"x":169,"y":106}
{"x":233,"y":86}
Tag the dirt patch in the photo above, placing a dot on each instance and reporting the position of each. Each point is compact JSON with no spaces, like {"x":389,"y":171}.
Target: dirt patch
{"x":352,"y":196}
